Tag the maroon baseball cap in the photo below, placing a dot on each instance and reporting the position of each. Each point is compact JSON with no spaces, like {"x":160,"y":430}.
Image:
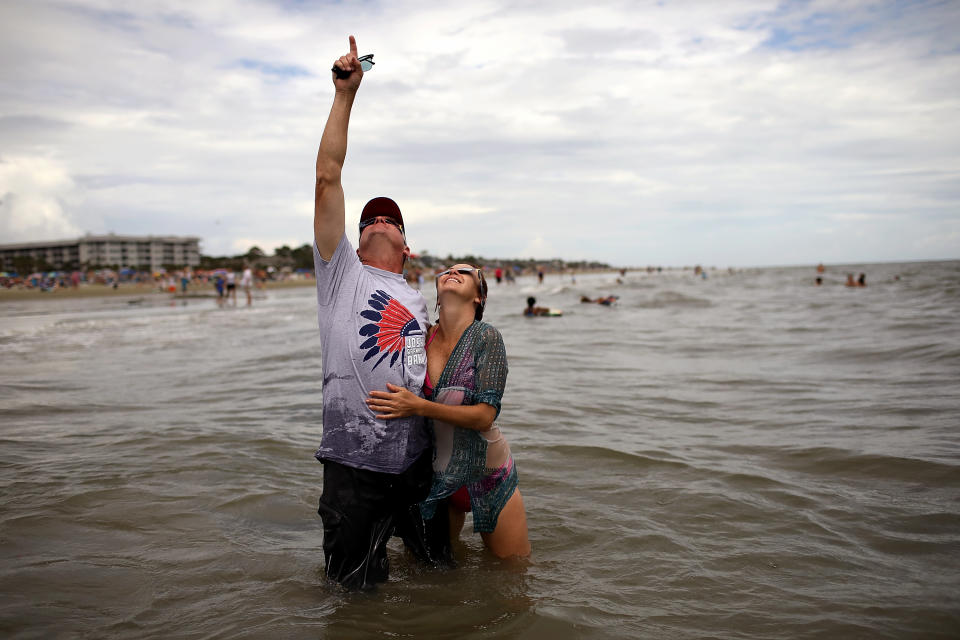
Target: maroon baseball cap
{"x":382,"y":206}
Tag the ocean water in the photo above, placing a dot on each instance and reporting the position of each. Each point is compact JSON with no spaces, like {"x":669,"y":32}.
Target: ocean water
{"x":741,"y":456}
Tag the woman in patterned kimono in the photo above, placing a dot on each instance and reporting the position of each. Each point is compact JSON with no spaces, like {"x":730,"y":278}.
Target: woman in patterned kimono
{"x":466,"y":374}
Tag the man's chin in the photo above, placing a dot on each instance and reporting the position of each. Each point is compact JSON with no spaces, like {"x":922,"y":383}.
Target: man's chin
{"x":381,"y":243}
{"x":380,"y":254}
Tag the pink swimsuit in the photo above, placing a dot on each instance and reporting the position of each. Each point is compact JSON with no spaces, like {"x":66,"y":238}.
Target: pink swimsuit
{"x":427,"y":384}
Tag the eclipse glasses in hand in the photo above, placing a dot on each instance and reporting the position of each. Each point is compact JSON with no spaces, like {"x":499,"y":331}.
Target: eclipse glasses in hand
{"x":366,"y":63}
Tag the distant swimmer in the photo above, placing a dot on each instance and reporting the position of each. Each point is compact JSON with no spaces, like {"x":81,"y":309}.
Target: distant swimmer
{"x":821,"y":268}
{"x":220,"y":283}
{"x":609,"y":300}
{"x":862,"y":280}
{"x":232,"y":286}
{"x":246,"y":281}
{"x":819,"y":281}
{"x":533,"y":310}
{"x":850,"y":281}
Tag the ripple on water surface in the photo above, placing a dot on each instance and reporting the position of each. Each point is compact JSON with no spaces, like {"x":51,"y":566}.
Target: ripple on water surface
{"x":741,"y":456}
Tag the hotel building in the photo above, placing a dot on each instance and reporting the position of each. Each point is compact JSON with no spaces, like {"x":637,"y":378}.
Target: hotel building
{"x":89,"y":251}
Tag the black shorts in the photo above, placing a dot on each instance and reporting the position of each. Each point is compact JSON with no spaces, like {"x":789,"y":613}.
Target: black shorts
{"x":360,"y":511}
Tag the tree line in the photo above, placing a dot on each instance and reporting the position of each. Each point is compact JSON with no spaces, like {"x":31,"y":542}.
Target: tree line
{"x":302,"y":258}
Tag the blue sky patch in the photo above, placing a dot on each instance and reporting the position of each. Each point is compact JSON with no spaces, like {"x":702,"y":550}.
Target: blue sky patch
{"x":270,"y":69}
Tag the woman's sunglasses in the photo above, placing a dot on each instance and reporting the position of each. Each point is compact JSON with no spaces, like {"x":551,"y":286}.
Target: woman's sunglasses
{"x":461,"y":270}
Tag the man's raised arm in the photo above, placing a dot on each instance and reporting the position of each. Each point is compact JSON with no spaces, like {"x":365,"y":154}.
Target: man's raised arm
{"x":329,"y":209}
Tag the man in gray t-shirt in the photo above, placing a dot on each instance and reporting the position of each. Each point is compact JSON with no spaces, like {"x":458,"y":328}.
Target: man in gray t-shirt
{"x":372,"y":328}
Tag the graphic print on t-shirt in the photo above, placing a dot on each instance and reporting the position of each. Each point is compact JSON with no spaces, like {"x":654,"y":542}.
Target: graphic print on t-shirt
{"x":392,"y":331}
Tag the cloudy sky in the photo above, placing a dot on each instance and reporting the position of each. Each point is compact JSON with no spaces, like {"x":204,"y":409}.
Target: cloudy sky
{"x":748,"y":132}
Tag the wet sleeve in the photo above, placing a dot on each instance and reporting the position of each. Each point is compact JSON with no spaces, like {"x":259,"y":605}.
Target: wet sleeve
{"x":342,"y":267}
{"x":490,"y":368}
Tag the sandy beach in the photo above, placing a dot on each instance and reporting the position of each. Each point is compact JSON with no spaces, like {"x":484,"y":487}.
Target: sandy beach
{"x":132,"y":290}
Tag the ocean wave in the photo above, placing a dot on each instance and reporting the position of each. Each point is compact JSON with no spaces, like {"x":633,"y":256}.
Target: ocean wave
{"x":666,"y":299}
{"x":833,"y":462}
{"x":932,"y":352}
{"x":604,"y":456}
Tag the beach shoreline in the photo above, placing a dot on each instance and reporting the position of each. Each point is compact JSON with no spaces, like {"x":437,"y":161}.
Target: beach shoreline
{"x":131,"y":290}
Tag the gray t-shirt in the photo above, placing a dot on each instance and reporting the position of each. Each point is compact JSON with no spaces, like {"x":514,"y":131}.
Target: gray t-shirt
{"x":372,"y":327}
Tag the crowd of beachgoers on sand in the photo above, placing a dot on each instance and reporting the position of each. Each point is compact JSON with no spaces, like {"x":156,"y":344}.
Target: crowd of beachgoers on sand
{"x":216,"y":280}
{"x":176,"y":281}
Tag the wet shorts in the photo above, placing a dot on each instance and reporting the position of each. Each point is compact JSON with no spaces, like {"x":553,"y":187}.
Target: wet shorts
{"x":362,"y":509}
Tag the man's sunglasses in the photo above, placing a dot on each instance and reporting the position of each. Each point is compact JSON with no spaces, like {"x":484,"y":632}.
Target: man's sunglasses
{"x":369,"y":221}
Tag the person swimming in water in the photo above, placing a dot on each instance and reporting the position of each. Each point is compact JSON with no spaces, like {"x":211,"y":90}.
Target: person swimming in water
{"x":532,"y":310}
{"x":609,"y":300}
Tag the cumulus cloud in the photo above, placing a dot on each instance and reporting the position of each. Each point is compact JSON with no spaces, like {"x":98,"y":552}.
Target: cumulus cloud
{"x":539,"y":248}
{"x":621,"y":131}
{"x":36,"y":195}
